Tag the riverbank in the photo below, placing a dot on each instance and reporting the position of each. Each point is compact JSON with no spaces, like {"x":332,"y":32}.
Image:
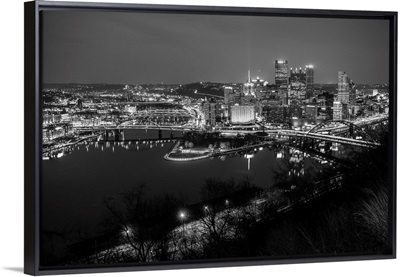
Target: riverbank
{"x":174,"y":154}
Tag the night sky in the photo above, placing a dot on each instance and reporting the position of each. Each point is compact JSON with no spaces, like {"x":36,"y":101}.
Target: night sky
{"x":138,"y":48}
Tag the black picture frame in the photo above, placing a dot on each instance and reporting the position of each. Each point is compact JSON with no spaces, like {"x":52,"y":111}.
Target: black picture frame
{"x":33,"y":132}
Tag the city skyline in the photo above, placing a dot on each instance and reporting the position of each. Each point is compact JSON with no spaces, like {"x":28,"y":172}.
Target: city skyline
{"x":133,"y":48}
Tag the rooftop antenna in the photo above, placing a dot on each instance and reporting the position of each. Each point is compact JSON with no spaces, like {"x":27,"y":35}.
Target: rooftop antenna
{"x":249,"y":80}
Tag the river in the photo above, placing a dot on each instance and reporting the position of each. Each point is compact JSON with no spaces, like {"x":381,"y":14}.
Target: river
{"x":74,"y":186}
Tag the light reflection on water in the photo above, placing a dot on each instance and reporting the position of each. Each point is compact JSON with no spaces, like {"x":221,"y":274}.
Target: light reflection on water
{"x":75,"y":185}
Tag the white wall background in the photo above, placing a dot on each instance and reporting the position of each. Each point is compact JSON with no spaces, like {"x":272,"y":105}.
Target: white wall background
{"x":12,"y":136}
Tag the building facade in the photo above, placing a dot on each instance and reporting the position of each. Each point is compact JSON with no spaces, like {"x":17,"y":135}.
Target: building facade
{"x":281,"y":73}
{"x":343,"y":87}
{"x":228,"y":95}
{"x":310,"y":80}
{"x":337,"y":110}
{"x":210,"y":110}
{"x":242,"y":114}
{"x":298,"y":75}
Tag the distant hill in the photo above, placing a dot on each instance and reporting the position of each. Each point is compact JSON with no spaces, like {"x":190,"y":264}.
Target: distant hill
{"x":84,"y":87}
{"x":202,"y":89}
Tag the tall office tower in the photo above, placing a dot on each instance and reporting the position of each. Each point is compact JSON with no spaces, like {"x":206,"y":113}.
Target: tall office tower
{"x":337,"y":110}
{"x":352,"y":93}
{"x":310,"y":80}
{"x":281,"y":73}
{"x":297,"y":75}
{"x":343,"y":87}
{"x":228,"y":92}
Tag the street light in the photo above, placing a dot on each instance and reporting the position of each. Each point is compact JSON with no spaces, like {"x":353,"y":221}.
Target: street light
{"x":227,"y":202}
{"x":127,"y":231}
{"x":206,"y":210}
{"x":182,"y":215}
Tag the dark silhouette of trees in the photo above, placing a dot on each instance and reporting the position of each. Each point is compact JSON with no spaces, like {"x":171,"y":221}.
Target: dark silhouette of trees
{"x":145,"y":224}
{"x":227,"y":212}
{"x":354,"y":219}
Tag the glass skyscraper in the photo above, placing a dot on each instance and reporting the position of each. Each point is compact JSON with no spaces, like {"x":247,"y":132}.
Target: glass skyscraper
{"x":281,"y":73}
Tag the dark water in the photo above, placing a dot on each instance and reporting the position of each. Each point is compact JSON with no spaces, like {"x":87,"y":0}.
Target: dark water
{"x":75,"y":186}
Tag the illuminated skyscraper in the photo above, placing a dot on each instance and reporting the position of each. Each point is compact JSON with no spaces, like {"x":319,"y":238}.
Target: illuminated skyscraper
{"x":337,"y":110}
{"x":297,"y":75}
{"x":310,"y":80}
{"x":281,"y":73}
{"x":228,"y":94}
{"x":343,"y":87}
{"x":346,"y":89}
{"x":302,"y":80}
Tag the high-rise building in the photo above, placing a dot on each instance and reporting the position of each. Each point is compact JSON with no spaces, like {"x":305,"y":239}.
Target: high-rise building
{"x":343,"y":87}
{"x":337,"y":110}
{"x":346,"y":89}
{"x":228,"y":94}
{"x":281,"y":73}
{"x":310,"y":80}
{"x":297,"y":75}
{"x":301,"y":81}
{"x":352,"y":93}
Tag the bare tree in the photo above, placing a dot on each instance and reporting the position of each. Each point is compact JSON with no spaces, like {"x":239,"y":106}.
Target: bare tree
{"x":144,"y":224}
